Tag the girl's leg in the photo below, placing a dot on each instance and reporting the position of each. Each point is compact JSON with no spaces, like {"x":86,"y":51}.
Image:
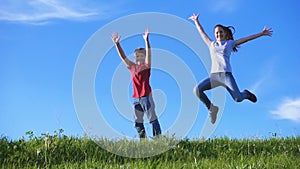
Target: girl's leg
{"x":199,"y":91}
{"x":207,"y":84}
{"x":233,"y":89}
{"x":204,"y":85}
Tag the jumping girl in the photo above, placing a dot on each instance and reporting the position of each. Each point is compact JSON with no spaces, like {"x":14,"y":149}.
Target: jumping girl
{"x":221,"y":72}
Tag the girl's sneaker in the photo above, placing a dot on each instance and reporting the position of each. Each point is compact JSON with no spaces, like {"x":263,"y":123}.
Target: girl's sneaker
{"x":251,"y":96}
{"x":213,"y":111}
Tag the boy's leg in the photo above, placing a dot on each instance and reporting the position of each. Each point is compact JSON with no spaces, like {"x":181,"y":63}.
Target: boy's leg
{"x":141,"y":130}
{"x":156,"y":128}
{"x":139,"y":121}
{"x":151,"y":114}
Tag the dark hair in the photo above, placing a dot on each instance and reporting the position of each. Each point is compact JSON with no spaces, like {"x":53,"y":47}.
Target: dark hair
{"x":229,"y":35}
{"x":142,"y":50}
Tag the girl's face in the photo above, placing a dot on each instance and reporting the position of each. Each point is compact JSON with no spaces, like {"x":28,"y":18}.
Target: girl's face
{"x":139,"y":57}
{"x":220,"y":34}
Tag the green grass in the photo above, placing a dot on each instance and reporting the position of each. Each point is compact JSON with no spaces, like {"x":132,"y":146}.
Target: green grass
{"x":60,"y":151}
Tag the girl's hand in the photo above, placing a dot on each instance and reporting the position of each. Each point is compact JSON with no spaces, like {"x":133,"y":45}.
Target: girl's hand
{"x":115,"y":37}
{"x":267,"y":31}
{"x":146,"y":34}
{"x":194,"y":17}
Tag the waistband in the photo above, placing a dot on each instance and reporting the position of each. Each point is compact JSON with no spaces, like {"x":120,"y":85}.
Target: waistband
{"x":222,"y":73}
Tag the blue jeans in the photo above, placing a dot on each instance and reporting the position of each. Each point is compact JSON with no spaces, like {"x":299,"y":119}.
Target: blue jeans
{"x":141,"y":106}
{"x":224,"y":79}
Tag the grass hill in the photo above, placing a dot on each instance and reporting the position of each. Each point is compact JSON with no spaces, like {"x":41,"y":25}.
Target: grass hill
{"x":61,"y":151}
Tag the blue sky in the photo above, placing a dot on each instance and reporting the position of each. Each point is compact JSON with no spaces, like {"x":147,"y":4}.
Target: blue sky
{"x":42,"y":39}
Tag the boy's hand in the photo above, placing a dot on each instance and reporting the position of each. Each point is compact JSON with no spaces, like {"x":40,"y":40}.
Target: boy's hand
{"x":267,"y":31}
{"x":115,"y":37}
{"x":194,"y":17}
{"x":146,"y":34}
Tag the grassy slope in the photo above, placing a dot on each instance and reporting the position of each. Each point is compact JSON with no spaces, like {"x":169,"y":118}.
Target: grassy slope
{"x":60,"y":151}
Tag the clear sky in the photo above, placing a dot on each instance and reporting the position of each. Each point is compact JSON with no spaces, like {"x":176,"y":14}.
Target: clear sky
{"x":41,"y":41}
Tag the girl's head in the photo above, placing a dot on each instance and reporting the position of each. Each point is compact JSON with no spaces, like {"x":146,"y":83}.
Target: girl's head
{"x":140,"y":55}
{"x":224,"y":33}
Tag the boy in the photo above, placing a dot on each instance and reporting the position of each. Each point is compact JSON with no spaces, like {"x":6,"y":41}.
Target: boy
{"x":140,"y":73}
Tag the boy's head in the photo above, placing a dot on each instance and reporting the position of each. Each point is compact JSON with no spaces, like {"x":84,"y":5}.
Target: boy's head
{"x":140,"y":55}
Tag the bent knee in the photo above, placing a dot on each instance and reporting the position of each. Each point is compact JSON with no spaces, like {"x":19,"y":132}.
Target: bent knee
{"x":196,"y":91}
{"x":238,"y":99}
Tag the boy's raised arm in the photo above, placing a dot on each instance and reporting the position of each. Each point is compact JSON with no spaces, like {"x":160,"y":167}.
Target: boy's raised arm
{"x":265,"y":32}
{"x":116,"y":38}
{"x":148,"y":48}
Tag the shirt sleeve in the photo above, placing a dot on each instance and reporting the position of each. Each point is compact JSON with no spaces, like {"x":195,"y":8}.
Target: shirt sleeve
{"x":232,"y":43}
{"x":130,"y":67}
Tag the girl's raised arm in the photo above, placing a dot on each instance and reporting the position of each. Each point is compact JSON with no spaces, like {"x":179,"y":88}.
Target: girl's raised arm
{"x":266,"y":32}
{"x":200,"y":29}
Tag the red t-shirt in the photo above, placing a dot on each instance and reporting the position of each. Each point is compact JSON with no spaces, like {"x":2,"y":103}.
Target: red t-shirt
{"x":140,"y":75}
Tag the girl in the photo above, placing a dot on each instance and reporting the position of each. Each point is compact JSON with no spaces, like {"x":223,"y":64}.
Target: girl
{"x":221,"y":73}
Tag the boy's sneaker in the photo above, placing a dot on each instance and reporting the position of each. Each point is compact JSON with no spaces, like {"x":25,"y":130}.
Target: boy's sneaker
{"x":251,"y":96}
{"x":213,"y":111}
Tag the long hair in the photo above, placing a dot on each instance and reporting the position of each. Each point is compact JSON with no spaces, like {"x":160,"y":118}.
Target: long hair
{"x":229,"y":30}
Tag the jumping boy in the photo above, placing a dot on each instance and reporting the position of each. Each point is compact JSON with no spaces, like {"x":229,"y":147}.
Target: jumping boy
{"x":140,"y":71}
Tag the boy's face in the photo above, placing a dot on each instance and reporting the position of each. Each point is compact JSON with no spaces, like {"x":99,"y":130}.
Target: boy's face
{"x":140,"y":57}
